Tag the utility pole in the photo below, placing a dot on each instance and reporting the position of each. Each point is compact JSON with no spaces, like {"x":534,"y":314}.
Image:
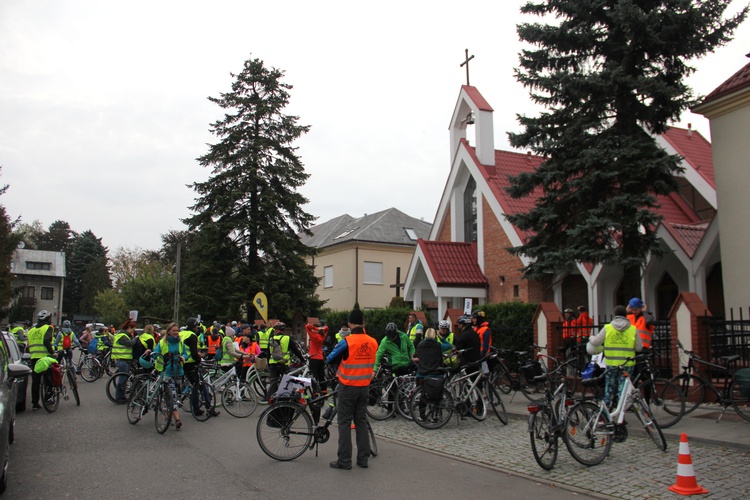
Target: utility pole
{"x":177,"y":285}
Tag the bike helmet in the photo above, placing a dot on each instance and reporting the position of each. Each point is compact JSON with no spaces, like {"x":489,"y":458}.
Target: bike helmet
{"x":279,"y":326}
{"x":66,"y":324}
{"x":192,"y":323}
{"x":464,"y":320}
{"x":445,"y":324}
{"x":477,"y":314}
{"x":391,"y":330}
{"x":43,"y":315}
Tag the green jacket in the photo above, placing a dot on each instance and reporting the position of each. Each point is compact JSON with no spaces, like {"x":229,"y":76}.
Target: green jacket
{"x":399,"y":356}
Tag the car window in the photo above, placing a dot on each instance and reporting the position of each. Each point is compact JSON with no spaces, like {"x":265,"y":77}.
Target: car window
{"x":3,"y":359}
{"x":13,"y":351}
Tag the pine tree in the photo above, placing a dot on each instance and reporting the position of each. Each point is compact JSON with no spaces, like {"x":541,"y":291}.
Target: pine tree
{"x":609,"y":74}
{"x":85,"y":250}
{"x":8,"y":244}
{"x":251,"y":198}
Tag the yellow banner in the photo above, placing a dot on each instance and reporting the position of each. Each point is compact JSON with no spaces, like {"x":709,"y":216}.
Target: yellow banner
{"x":261,"y":304}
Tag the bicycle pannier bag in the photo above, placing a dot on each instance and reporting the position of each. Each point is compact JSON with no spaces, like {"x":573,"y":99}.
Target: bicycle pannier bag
{"x":92,"y":348}
{"x":432,"y":388}
{"x":57,"y":375}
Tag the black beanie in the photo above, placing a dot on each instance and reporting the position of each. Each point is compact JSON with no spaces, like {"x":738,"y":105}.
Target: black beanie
{"x":356,"y":317}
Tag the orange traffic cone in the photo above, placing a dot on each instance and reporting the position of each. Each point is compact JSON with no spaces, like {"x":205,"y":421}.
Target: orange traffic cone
{"x":686,"y":483}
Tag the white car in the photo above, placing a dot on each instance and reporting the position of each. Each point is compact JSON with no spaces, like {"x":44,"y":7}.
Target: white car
{"x":10,"y":374}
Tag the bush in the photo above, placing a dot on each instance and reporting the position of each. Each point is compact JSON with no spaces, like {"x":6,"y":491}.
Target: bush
{"x":375,"y":319}
{"x":511,"y":324}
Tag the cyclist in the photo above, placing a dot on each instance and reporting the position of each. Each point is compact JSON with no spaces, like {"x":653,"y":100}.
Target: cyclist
{"x":248,"y":347}
{"x":429,"y":354}
{"x":414,"y":328}
{"x":122,"y":353}
{"x":213,"y":342}
{"x":619,"y":340}
{"x":356,"y":355}
{"x":170,"y":347}
{"x":444,"y":331}
{"x":39,"y":345}
{"x":399,"y":349}
{"x":482,"y":327}
{"x":189,"y":337}
{"x":278,"y":367}
{"x":86,"y":337}
{"x":65,"y":341}
{"x":317,"y":333}
{"x":468,"y":339}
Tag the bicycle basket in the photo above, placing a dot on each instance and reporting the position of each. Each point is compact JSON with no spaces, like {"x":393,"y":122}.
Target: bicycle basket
{"x":743,"y":379}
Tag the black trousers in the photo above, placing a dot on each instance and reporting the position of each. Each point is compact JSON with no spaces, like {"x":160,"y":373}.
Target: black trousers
{"x":352,"y":405}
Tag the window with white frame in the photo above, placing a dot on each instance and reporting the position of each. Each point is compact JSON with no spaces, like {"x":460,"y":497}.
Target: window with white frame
{"x":373,"y":273}
{"x":328,"y":277}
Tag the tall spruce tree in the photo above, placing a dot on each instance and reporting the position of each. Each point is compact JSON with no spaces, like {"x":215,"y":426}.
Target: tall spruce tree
{"x":87,"y":257}
{"x":251,"y":198}
{"x":609,"y":74}
{"x":8,"y":244}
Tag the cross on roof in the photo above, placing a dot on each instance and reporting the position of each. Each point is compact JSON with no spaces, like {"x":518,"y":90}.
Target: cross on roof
{"x":466,"y":63}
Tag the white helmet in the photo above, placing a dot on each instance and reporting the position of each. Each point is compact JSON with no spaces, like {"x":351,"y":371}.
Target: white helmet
{"x":445,"y":324}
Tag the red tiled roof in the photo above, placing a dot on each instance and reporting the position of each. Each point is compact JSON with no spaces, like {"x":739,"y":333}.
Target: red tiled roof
{"x":453,"y":263}
{"x":696,"y":150}
{"x":688,"y":236}
{"x":478,"y":99}
{"x":737,"y":81}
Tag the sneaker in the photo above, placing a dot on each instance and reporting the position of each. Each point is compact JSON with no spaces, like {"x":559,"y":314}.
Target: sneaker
{"x":215,"y":413}
{"x":338,"y":465}
{"x":178,"y":424}
{"x":362,"y":464}
{"x":198,"y":413}
{"x":36,"y":406}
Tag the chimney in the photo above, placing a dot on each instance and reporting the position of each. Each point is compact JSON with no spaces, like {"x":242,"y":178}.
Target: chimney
{"x":690,"y":129}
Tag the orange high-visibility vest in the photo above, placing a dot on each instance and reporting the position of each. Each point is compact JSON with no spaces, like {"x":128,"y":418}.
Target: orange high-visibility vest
{"x":356,"y":369}
{"x":213,"y":344}
{"x":644,"y":331}
{"x":250,"y":349}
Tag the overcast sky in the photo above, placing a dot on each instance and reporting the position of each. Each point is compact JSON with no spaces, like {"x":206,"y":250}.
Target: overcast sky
{"x":103,"y":104}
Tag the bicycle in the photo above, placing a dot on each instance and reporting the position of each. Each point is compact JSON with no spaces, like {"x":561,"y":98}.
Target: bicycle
{"x":390,"y":393}
{"x":237,"y":397}
{"x":206,"y":396}
{"x":548,"y":420}
{"x":591,"y":427}
{"x":506,"y":381}
{"x":285,"y":429}
{"x":51,"y":395}
{"x":126,"y":380}
{"x":258,"y":380}
{"x":90,"y":367}
{"x":693,"y":384}
{"x":153,"y":393}
{"x":460,"y":393}
{"x":664,"y":397}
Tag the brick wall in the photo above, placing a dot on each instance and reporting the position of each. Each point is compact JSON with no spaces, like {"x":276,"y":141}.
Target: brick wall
{"x":445,"y":231}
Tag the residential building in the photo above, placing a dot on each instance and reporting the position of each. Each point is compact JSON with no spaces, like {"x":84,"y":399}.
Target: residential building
{"x":40,"y":274}
{"x":364,"y":260}
{"x":465,"y":256}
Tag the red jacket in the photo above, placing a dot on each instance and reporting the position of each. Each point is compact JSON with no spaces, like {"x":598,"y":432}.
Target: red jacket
{"x":317,"y":336}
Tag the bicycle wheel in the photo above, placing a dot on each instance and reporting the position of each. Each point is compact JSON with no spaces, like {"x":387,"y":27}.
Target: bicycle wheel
{"x":544,"y":442}
{"x":740,"y":398}
{"x":665,"y":399}
{"x":379,"y":407}
{"x":588,"y":433}
{"x":50,"y":396}
{"x":496,"y":403}
{"x":284,"y":431}
{"x":71,"y":374}
{"x":109,"y":364}
{"x":532,"y":390}
{"x":136,"y":402}
{"x":653,"y":429}
{"x":477,"y":405}
{"x":163,"y":413}
{"x":373,"y":442}
{"x":692,"y":388}
{"x":501,"y":379}
{"x":258,"y":385}
{"x":90,"y":369}
{"x":206,"y":401}
{"x":403,"y":395}
{"x":431,"y":414}
{"x":126,"y":380}
{"x":239,"y":400}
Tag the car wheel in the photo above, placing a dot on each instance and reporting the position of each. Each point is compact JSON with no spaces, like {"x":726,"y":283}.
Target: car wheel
{"x":20,"y":406}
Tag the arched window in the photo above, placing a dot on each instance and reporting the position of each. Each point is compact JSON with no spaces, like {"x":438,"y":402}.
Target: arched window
{"x":470,"y":211}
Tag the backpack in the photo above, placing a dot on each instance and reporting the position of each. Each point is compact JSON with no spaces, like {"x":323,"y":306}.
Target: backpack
{"x":92,"y":348}
{"x":277,"y":353}
{"x":66,"y":342}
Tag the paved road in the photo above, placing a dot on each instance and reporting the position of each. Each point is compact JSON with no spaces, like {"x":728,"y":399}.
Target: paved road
{"x":92,"y":452}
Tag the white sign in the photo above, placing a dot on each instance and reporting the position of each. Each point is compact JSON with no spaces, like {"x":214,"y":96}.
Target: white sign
{"x":467,"y":306}
{"x":134,"y":315}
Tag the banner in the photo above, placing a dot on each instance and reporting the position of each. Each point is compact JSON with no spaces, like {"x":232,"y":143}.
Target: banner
{"x":261,"y":304}
{"x":467,"y":306}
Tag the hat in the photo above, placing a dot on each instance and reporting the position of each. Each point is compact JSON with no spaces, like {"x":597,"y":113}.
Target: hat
{"x":356,"y":317}
{"x":635,"y":303}
{"x":246,"y":325}
{"x":568,"y":310}
{"x":234,"y":323}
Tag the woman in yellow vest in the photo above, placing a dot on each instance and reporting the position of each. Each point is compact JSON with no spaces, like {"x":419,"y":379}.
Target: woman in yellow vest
{"x":122,"y":354}
{"x":171,"y":349}
{"x":619,"y":340}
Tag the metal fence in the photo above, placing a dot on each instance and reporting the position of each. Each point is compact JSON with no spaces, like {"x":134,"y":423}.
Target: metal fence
{"x":729,"y":336}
